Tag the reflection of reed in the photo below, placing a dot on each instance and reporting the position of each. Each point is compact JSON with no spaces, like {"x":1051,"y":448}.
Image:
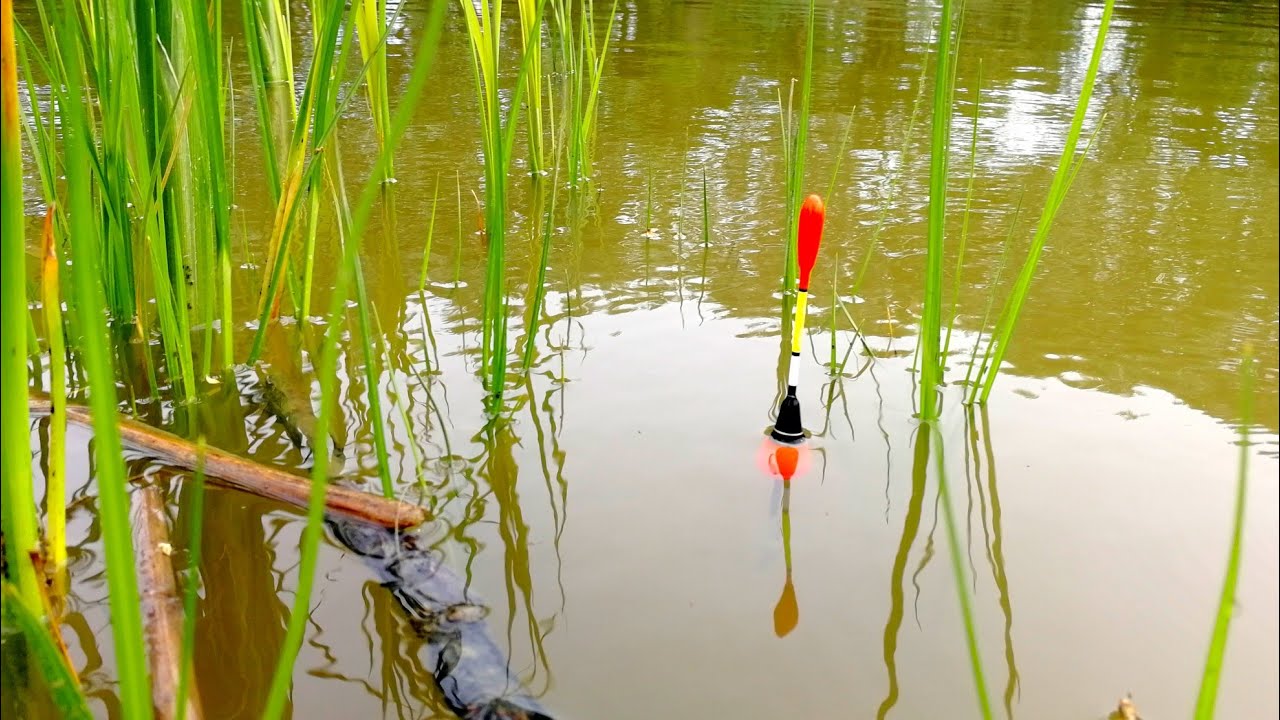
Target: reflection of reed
{"x":926,"y":557}
{"x":560,"y":505}
{"x":1013,"y":683}
{"x":910,"y":527}
{"x":499,"y":469}
{"x":241,"y":618}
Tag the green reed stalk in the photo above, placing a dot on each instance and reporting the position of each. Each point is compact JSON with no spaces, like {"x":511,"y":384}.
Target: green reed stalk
{"x":483,"y":30}
{"x":277,"y":49}
{"x":795,"y":141}
{"x":56,"y":490}
{"x":835,"y":171}
{"x":583,"y":57}
{"x":191,"y":591}
{"x":431,"y":231}
{"x":540,"y":293}
{"x":372,"y":369}
{"x":203,"y":22}
{"x":19,"y":506}
{"x":1208,"y":694}
{"x":64,"y":689}
{"x":706,"y":213}
{"x":298,"y":172}
{"x":1057,"y":192}
{"x":113,"y":511}
{"x":648,"y":208}
{"x":930,"y":374}
{"x":964,"y":224}
{"x":365,"y":329}
{"x":991,"y":300}
{"x":835,"y":300}
{"x":457,"y":251}
{"x":327,"y":370}
{"x":958,"y":574}
{"x":531,"y":42}
{"x":257,"y":35}
{"x":371,"y":27}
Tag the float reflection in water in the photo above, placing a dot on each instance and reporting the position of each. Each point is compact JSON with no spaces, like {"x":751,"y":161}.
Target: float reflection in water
{"x":785,"y":462}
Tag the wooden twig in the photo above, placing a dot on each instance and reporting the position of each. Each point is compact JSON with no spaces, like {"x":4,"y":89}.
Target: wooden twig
{"x":249,"y":476}
{"x":161,"y":606}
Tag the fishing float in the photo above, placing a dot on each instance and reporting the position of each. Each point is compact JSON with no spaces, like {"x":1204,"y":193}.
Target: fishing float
{"x":789,"y":429}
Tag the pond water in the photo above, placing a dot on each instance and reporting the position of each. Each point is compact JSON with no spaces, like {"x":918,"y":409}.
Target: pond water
{"x":624,"y":526}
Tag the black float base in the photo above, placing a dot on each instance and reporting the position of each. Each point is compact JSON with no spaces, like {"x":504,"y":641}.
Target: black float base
{"x":788,"y":428}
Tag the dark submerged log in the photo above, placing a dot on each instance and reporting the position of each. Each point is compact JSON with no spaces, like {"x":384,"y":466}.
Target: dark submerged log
{"x":469,"y":667}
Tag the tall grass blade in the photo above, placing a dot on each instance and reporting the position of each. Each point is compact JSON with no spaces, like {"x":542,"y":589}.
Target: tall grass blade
{"x":930,"y":324}
{"x":113,"y":510}
{"x":991,"y":299}
{"x":327,"y":370}
{"x":531,"y":39}
{"x":1057,"y":192}
{"x":540,"y":293}
{"x":56,"y":480}
{"x":63,"y":687}
{"x":19,"y":507}
{"x":371,"y":27}
{"x":1207,"y":698}
{"x":964,"y":223}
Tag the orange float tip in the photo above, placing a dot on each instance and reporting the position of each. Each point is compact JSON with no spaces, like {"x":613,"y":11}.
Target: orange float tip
{"x":783,"y":461}
{"x":812,"y":214}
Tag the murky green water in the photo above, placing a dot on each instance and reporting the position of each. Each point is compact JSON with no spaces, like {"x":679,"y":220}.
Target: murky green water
{"x":624,"y":526}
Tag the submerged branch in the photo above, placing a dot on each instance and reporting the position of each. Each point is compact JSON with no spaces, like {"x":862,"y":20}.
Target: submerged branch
{"x":161,"y":606}
{"x":247,"y":475}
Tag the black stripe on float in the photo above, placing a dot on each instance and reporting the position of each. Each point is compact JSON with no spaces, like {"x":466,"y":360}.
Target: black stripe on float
{"x":795,"y":354}
{"x":804,"y":289}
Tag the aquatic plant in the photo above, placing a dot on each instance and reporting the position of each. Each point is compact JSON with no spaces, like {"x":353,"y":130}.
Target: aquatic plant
{"x":1207,"y":697}
{"x":940,"y":141}
{"x":371,"y":29}
{"x":991,"y":299}
{"x":59,"y":678}
{"x":582,"y":60}
{"x":1068,"y":166}
{"x":56,"y":478}
{"x":964,"y":223}
{"x":795,"y":138}
{"x":18,"y":508}
{"x":484,"y":23}
{"x":327,"y":365}
{"x":531,"y":45}
{"x":95,"y":356}
{"x":206,"y":138}
{"x":544,"y":257}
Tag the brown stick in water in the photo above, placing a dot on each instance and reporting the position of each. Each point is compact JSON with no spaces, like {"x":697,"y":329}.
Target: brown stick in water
{"x":249,"y":476}
{"x":161,"y":607}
